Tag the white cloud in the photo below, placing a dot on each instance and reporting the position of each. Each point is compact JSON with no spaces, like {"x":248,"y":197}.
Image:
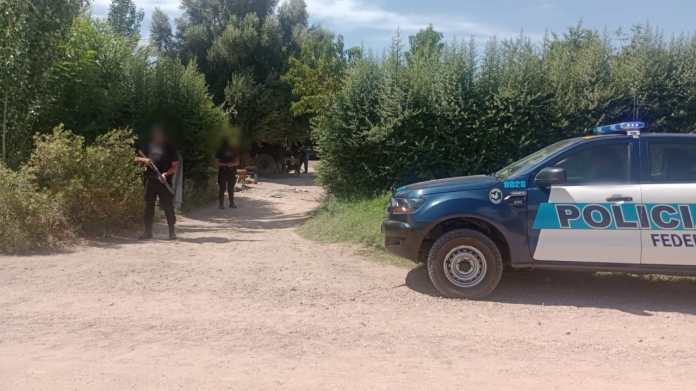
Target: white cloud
{"x":547,"y":4}
{"x":358,"y":14}
{"x":354,"y":17}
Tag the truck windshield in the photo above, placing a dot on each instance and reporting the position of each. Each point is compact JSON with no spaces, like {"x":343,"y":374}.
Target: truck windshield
{"x":532,"y":160}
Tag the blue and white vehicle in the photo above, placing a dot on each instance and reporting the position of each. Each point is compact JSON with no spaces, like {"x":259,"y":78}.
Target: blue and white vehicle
{"x":619,"y":200}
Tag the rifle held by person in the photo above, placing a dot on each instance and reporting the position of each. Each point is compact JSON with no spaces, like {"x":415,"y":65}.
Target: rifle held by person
{"x":157,"y":172}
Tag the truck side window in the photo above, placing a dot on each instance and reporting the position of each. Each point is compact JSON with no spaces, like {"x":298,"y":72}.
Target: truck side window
{"x":601,"y":164}
{"x":671,"y":162}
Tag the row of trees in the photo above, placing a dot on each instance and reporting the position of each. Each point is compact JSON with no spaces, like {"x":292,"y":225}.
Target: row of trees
{"x":431,"y":108}
{"x":438,"y":109}
{"x":32,"y":33}
{"x":221,"y":67}
{"x":243,"y":48}
{"x":65,"y":67}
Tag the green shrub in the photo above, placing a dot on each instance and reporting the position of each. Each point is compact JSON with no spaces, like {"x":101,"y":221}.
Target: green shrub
{"x":349,"y":220}
{"x":97,"y":185}
{"x":29,"y":219}
{"x":448,"y":109}
{"x":90,"y":87}
{"x":101,"y":83}
{"x":176,"y":95}
{"x":353,"y":220}
{"x":199,"y":194}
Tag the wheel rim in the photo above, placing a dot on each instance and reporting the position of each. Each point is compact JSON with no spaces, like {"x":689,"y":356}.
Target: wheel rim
{"x":465,"y":266}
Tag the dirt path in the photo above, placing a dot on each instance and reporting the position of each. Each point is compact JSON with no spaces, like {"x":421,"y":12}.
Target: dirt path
{"x":241,"y":302}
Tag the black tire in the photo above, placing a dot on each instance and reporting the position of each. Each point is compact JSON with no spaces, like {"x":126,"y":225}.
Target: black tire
{"x":266,"y":165}
{"x":473,"y":244}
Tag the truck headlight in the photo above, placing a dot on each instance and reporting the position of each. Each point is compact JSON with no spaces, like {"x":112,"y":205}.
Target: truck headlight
{"x":402,"y":206}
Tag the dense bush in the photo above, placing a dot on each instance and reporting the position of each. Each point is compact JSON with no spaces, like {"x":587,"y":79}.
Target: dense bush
{"x":97,"y":186}
{"x":30,"y":44}
{"x":441,"y":110}
{"x":29,"y":219}
{"x":70,"y":187}
{"x":91,"y":86}
{"x":101,"y":83}
{"x":242,"y":48}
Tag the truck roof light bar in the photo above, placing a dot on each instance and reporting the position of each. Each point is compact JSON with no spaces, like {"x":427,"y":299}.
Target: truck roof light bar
{"x":630,"y":128}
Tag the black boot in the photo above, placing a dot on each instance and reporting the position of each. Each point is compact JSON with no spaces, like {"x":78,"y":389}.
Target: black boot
{"x":172,"y":233}
{"x":145,"y":236}
{"x":232,"y":204}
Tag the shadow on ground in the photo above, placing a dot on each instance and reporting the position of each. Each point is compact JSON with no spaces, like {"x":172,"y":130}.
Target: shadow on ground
{"x":292,"y":180}
{"x":629,"y":293}
{"x":212,"y":225}
{"x":252,"y":215}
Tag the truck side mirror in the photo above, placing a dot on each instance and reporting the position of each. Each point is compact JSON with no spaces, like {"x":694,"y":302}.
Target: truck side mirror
{"x":550,"y":176}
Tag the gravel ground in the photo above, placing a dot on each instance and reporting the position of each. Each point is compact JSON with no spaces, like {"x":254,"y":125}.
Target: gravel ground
{"x":242,"y":302}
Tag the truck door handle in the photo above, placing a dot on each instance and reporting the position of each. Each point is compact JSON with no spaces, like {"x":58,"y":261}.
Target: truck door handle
{"x":619,"y":198}
{"x":517,"y":199}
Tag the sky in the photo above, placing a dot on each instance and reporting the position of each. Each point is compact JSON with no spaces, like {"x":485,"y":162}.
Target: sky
{"x":372,"y":23}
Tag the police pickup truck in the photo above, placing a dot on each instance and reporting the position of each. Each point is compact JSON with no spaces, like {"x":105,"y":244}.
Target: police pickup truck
{"x":618,"y":200}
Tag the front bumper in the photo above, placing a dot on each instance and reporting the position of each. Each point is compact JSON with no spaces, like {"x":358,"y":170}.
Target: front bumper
{"x":401,"y":239}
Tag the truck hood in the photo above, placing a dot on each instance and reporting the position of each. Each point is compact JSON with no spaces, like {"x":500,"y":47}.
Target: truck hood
{"x":447,"y":185}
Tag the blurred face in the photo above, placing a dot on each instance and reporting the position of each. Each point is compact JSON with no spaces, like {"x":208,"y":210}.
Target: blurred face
{"x":158,"y":136}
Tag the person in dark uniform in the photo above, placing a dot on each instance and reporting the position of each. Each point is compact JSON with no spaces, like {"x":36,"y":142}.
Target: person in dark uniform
{"x":163,"y":155}
{"x":227,"y":160}
{"x":306,"y":151}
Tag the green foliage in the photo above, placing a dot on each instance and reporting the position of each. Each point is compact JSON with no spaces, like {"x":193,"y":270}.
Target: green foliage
{"x":426,"y":43}
{"x":29,"y":219}
{"x":231,"y":36}
{"x":352,"y":220}
{"x":90,"y":85}
{"x":243,"y":47}
{"x":97,"y":186}
{"x":442,"y":110}
{"x":316,"y":72}
{"x":349,"y":220}
{"x":102,"y":84}
{"x":293,"y":19}
{"x":161,"y":36}
{"x":247,"y":59}
{"x":176,"y":95}
{"x":213,"y":15}
{"x":125,"y":19}
{"x":347,"y":152}
{"x":432,"y":109}
{"x":29,"y":45}
{"x":70,"y":187}
{"x":200,"y":195}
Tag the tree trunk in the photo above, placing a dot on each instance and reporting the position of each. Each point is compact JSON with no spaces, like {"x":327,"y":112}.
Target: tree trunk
{"x":4,"y":129}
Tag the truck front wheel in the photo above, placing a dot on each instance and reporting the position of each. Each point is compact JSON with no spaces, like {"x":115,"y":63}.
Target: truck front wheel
{"x":465,"y":264}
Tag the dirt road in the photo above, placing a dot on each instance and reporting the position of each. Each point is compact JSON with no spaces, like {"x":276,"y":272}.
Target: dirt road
{"x":241,"y":302}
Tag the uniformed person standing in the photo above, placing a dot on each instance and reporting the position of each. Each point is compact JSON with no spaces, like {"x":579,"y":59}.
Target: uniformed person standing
{"x":306,"y":151}
{"x":163,"y":155}
{"x":227,"y":161}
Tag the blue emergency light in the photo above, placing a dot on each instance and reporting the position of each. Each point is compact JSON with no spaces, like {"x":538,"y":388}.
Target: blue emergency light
{"x":622,"y":128}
